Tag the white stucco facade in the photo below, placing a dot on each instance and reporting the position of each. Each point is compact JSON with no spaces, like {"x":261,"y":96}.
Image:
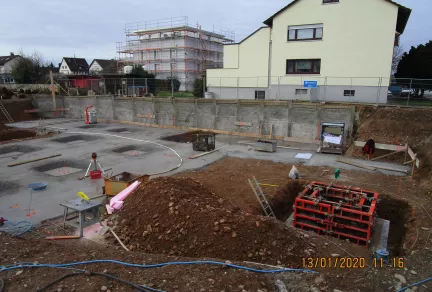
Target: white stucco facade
{"x":355,"y":52}
{"x":64,"y":68}
{"x":95,"y":67}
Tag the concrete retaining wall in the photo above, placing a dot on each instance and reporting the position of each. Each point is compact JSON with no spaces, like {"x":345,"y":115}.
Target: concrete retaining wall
{"x":283,"y":120}
{"x":362,"y":94}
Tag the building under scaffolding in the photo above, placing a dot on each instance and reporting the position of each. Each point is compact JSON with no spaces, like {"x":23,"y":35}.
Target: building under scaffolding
{"x":171,"y":48}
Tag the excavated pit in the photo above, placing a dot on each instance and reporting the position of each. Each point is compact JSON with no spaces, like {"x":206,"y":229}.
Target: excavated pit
{"x":282,"y":203}
{"x":398,"y":212}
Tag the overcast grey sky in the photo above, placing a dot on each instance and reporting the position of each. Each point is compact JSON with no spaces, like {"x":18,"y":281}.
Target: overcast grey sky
{"x":91,"y":28}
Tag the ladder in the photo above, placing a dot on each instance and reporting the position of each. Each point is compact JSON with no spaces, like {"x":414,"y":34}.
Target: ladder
{"x":5,"y":112}
{"x":262,"y":199}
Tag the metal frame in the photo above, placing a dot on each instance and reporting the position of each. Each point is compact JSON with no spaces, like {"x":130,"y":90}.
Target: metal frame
{"x":343,"y":212}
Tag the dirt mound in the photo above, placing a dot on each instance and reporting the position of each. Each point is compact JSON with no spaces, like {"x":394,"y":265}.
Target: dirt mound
{"x":395,"y":125}
{"x":181,"y":217}
{"x":8,"y":133}
{"x":16,"y":110}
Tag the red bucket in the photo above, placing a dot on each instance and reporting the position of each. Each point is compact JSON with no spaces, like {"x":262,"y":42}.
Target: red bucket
{"x":95,"y":174}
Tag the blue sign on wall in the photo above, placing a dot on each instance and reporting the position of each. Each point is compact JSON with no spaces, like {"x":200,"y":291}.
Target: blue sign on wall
{"x":310,"y":84}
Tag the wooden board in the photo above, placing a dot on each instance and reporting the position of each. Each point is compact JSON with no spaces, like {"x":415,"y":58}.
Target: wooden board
{"x":413,"y":156}
{"x":383,"y":146}
{"x":351,"y":162}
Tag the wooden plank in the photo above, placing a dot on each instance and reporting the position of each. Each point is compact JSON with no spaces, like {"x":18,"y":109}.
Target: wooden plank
{"x":62,"y":237}
{"x":33,"y":160}
{"x":118,"y":239}
{"x":389,"y":168}
{"x":243,"y":124}
{"x":377,"y":158}
{"x":383,"y":146}
{"x":413,"y":157}
{"x":409,"y":162}
{"x":350,"y":162}
{"x":108,"y":208}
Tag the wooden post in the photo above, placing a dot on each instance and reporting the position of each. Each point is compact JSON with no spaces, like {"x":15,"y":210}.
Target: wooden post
{"x":53,"y":90}
{"x":413,"y":166}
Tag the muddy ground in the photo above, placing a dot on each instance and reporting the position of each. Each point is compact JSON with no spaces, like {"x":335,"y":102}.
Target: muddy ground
{"x":403,"y":202}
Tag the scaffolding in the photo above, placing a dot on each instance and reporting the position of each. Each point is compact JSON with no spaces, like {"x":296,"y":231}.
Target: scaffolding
{"x":171,"y":48}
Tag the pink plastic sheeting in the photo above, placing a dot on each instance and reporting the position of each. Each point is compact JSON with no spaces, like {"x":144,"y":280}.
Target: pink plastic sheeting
{"x":116,"y":202}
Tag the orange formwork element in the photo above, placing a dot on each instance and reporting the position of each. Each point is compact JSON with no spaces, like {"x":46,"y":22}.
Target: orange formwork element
{"x":343,"y":212}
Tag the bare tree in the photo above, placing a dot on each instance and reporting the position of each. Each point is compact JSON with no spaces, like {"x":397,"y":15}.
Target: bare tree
{"x":397,"y":56}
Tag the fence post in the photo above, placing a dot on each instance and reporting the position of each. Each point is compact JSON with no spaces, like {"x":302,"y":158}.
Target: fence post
{"x":53,"y":90}
{"x":146,"y":86}
{"x":238,"y":81}
{"x":220,"y":87}
{"x":204,"y":86}
{"x":172,"y":87}
{"x":379,"y":89}
{"x":350,"y":95}
{"x":325,"y":88}
{"x":409,"y":93}
{"x":279,"y":93}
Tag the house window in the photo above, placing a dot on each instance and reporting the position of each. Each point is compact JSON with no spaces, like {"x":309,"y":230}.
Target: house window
{"x":259,"y":94}
{"x":330,"y":1}
{"x":349,"y":92}
{"x":301,"y":91}
{"x":305,"y":32}
{"x":312,"y":66}
{"x":155,"y":55}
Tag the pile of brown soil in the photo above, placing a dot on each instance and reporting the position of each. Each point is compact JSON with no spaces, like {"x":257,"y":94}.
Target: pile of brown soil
{"x":181,"y":217}
{"x":8,"y":133}
{"x":396,"y":126}
{"x":16,"y":110}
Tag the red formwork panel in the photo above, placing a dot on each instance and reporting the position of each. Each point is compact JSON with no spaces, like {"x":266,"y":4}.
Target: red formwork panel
{"x":345,"y":212}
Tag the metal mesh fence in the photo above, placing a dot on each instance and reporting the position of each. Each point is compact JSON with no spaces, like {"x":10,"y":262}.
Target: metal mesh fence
{"x":132,"y":87}
{"x":370,"y":90}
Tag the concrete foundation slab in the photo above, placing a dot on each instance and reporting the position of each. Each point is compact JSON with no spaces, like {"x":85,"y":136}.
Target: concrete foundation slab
{"x":92,"y":126}
{"x":10,"y":154}
{"x":17,"y":149}
{"x":8,"y":188}
{"x":134,"y":153}
{"x":62,"y":171}
{"x":76,"y":142}
{"x":122,"y":130}
{"x":71,"y":138}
